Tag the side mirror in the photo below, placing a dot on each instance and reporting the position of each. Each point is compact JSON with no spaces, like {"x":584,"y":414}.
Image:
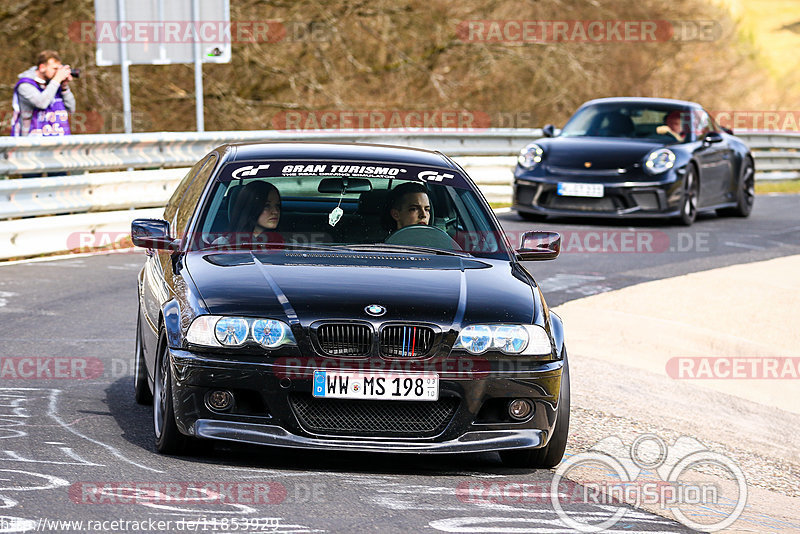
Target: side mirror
{"x":711,"y":138}
{"x":535,"y":246}
{"x":152,"y":233}
{"x":549,"y":130}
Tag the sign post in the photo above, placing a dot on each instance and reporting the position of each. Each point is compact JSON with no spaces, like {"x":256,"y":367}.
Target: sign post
{"x":161,"y":32}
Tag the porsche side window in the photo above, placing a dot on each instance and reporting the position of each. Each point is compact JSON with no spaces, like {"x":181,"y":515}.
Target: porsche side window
{"x":704,"y":124}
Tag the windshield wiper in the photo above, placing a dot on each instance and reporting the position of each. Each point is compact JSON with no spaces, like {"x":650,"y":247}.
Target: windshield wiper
{"x":407,"y":248}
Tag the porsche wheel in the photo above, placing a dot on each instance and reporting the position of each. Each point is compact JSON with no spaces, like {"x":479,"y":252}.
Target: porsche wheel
{"x":745,"y":192}
{"x":691,"y":192}
{"x":169,"y":439}
{"x":551,"y":454}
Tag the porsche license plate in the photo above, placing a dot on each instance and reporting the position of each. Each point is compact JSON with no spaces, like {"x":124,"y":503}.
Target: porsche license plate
{"x":571,"y":189}
{"x":384,"y":386}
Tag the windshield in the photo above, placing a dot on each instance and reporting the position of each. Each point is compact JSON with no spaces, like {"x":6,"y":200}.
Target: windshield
{"x":666,"y":124}
{"x":346,"y":205}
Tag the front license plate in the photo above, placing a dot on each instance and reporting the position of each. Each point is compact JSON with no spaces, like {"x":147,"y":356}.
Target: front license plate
{"x":385,"y":386}
{"x":570,"y":189}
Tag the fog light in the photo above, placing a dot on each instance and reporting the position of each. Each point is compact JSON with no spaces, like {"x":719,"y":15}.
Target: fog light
{"x":519,"y":409}
{"x":219,"y":399}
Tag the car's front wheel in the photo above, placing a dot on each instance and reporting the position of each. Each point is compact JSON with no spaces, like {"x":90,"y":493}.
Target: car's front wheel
{"x":169,"y":439}
{"x":551,"y":454}
{"x":691,"y":192}
{"x":141,"y":389}
{"x":745,"y":192}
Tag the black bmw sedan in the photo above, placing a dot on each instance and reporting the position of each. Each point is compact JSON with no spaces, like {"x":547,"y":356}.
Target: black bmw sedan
{"x":346,"y":297}
{"x":635,"y":157}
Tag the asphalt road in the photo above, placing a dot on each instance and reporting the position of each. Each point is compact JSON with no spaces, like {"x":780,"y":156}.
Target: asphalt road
{"x":81,"y":449}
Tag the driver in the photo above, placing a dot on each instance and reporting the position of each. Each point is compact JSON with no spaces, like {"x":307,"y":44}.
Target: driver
{"x":409,"y":205}
{"x":673,"y":125}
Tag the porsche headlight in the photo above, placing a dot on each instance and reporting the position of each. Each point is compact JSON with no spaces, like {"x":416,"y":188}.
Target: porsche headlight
{"x":531,"y":340}
{"x":659,"y":161}
{"x":530,"y":156}
{"x":219,"y":331}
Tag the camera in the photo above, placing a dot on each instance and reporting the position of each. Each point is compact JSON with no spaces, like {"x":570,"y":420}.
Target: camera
{"x":76,"y":73}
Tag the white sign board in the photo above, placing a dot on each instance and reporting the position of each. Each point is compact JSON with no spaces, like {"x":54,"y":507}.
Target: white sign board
{"x":162,"y":31}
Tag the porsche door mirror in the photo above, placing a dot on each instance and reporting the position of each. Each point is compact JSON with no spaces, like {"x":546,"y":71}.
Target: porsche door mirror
{"x":711,"y":138}
{"x":549,"y":130}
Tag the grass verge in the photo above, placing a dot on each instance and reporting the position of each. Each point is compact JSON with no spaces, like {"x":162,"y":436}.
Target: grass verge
{"x":777,"y":186}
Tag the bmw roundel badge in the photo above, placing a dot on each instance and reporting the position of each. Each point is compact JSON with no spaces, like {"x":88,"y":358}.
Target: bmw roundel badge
{"x":376,"y":310}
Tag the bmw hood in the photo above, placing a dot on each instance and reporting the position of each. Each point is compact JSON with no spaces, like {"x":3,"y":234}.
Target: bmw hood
{"x":600,"y":153}
{"x":310,"y":286}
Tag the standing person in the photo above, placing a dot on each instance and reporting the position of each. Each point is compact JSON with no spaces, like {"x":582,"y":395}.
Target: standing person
{"x":42,"y":99}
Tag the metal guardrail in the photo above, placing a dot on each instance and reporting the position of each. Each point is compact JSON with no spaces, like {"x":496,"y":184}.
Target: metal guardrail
{"x":488,"y":156}
{"x":777,"y":154}
{"x":178,"y":149}
{"x":104,"y":191}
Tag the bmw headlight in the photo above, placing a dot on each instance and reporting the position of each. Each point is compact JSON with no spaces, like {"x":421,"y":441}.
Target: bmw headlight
{"x":218,"y":331}
{"x":530,"y":156}
{"x":270,"y":333}
{"x":659,"y":161}
{"x":531,"y":340}
{"x":231,"y":331}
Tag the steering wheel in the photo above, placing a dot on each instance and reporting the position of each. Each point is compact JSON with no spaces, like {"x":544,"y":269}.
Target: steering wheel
{"x":422,"y":235}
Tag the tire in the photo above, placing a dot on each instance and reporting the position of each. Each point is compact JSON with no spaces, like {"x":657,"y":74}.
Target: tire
{"x":551,"y":454}
{"x":745,"y":192}
{"x":691,"y":193}
{"x":168,"y":439}
{"x":141,"y":388}
{"x":533,"y":217}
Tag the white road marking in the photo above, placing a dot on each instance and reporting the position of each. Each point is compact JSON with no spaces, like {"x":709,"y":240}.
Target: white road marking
{"x":52,"y":412}
{"x":742,"y":245}
{"x":4,"y":296}
{"x":562,"y":281}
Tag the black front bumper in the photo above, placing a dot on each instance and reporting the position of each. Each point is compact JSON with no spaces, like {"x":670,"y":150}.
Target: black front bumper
{"x":638,"y":198}
{"x":266,"y":411}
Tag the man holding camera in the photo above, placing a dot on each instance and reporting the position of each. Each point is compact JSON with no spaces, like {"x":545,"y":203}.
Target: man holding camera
{"x":42,"y":100}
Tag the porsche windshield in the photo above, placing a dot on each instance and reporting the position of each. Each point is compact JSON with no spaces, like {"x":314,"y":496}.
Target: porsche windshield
{"x":666,"y":124}
{"x":282,"y":204}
